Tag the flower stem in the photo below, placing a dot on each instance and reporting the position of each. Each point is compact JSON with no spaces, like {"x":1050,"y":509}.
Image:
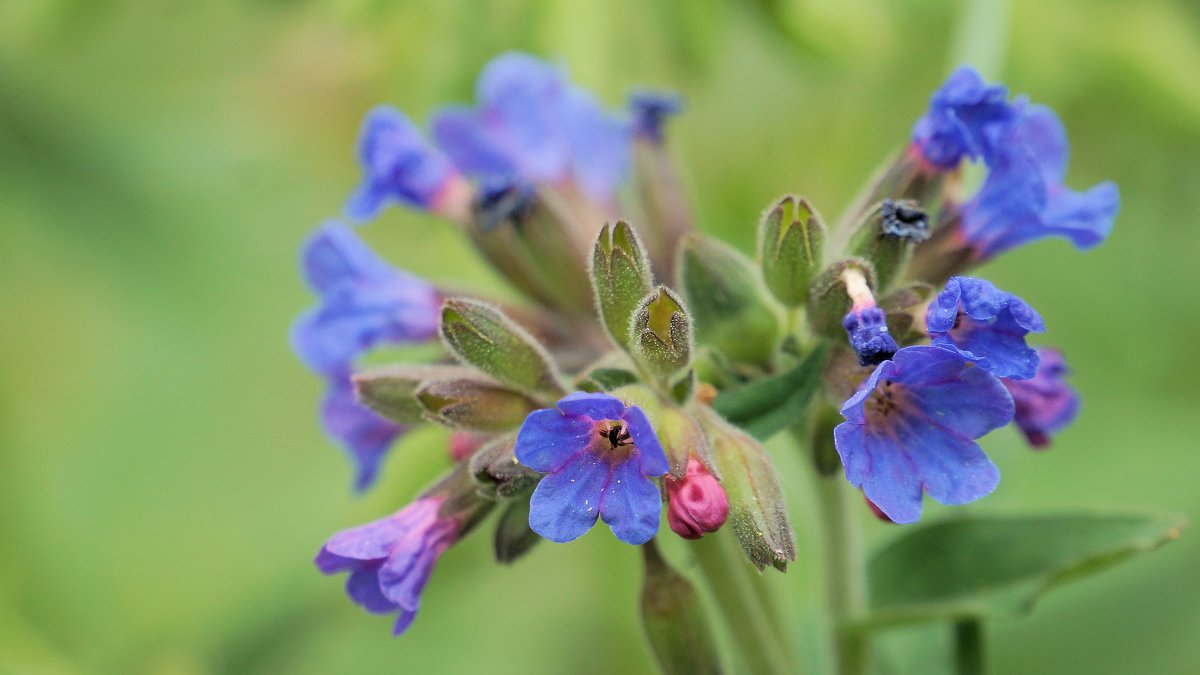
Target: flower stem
{"x":845,"y":576}
{"x":736,"y":587}
{"x":969,"y":652}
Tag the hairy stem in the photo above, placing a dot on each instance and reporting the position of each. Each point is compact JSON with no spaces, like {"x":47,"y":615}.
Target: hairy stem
{"x":845,"y":576}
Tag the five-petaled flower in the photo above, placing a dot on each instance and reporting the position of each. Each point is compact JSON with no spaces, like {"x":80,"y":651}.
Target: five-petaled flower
{"x":598,"y":456}
{"x":911,"y":428}
{"x":986,"y":325}
{"x":962,"y":121}
{"x":1046,"y":403}
{"x":390,"y":559}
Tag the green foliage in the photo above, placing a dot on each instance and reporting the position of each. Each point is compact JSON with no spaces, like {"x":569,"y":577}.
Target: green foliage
{"x":987,"y":566}
{"x":481,"y":336}
{"x":771,"y":404}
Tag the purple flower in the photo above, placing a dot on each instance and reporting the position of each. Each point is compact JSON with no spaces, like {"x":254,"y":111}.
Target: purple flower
{"x":1023,"y":197}
{"x":364,"y":302}
{"x":867,"y":331}
{"x":399,"y":165}
{"x":532,"y":125}
{"x":986,"y":325}
{"x":1046,"y":403}
{"x":960,"y":121}
{"x":390,"y":560}
{"x":650,"y":110}
{"x":598,"y":456}
{"x":362,"y":433}
{"x":911,"y":428}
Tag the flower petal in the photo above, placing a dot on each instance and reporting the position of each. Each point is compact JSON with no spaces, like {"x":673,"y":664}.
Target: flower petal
{"x":363,"y":588}
{"x":630,"y":504}
{"x":548,"y":439}
{"x":653,"y":457}
{"x":566,"y":503}
{"x":598,"y":407}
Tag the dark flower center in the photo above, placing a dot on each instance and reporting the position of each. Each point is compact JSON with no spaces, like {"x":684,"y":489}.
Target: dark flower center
{"x":616,"y":434}
{"x":884,"y":401}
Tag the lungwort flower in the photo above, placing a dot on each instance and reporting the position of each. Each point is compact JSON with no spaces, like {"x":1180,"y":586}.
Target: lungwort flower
{"x":390,"y":560}
{"x":363,"y":434}
{"x":1045,"y":404}
{"x":986,"y":325}
{"x":911,"y":428}
{"x":598,"y":456}
{"x":963,"y":116}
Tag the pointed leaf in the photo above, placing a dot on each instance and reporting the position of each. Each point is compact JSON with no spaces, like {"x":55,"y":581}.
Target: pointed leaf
{"x":769,"y":405}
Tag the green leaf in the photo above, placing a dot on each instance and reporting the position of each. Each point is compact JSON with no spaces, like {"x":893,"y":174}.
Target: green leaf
{"x":765,"y":407}
{"x":990,"y":566}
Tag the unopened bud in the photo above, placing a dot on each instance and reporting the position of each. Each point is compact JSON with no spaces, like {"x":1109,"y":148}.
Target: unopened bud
{"x":696,"y":503}
{"x":865,"y":323}
{"x":790,"y":239}
{"x":620,"y":278}
{"x":482,"y":336}
{"x":829,"y":300}
{"x":661,"y":333}
{"x":727,"y":301}
{"x":886,"y":235}
{"x":391,"y":390}
{"x":474,"y":404}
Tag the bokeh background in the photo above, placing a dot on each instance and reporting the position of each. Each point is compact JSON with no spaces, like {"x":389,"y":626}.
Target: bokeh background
{"x":163,"y":481}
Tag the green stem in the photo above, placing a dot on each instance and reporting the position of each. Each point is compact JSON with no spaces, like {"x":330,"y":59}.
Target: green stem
{"x":754,"y":629}
{"x":845,"y":576}
{"x":969,"y":646}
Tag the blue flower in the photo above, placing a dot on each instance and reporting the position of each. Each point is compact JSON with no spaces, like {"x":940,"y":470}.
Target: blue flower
{"x":390,"y":560}
{"x":1023,"y":197}
{"x":650,"y":110}
{"x":598,"y":456}
{"x":362,"y":433}
{"x":867,"y":331}
{"x":911,"y":428}
{"x":1046,"y":404}
{"x":364,"y":302}
{"x":986,"y":325}
{"x":399,"y":165}
{"x":532,"y":125}
{"x":961,"y":119}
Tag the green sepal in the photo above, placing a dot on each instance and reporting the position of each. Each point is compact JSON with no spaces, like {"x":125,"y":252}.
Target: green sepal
{"x":497,"y":472}
{"x":480,"y":335}
{"x":513,"y":537}
{"x":790,"y":238}
{"x":673,"y":617}
{"x":771,"y":404}
{"x":391,"y":390}
{"x":727,"y":301}
{"x":621,"y":277}
{"x":994,"y":566}
{"x":661,"y":333}
{"x":607,"y":379}
{"x":905,"y":309}
{"x":828,"y":302}
{"x":682,"y":437}
{"x":473,"y":404}
{"x":757,"y":512}
{"x":876,"y":238}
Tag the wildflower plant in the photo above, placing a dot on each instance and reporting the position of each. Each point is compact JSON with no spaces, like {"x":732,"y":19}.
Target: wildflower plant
{"x":647,"y":364}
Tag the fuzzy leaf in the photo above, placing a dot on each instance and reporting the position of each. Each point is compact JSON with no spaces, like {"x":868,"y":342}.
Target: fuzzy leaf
{"x":769,"y":405}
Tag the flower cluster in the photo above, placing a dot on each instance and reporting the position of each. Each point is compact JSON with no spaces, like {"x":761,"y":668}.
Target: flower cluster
{"x":561,"y":416}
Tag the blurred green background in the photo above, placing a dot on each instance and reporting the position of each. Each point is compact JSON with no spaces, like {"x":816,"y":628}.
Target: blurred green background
{"x":163,"y":482}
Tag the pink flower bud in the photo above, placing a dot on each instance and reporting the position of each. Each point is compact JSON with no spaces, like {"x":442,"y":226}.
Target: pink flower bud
{"x":463,"y":444}
{"x":696,"y":503}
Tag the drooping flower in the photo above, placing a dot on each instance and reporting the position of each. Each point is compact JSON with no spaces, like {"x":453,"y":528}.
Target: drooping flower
{"x":1023,"y":197}
{"x":961,"y":121}
{"x":364,"y":302}
{"x":390,"y":560}
{"x":400,"y":165}
{"x":598,"y":456}
{"x":360,"y":431}
{"x":650,"y":111}
{"x":986,"y":325}
{"x":696,"y":503}
{"x":911,"y":429}
{"x":1045,"y":404}
{"x":532,"y":125}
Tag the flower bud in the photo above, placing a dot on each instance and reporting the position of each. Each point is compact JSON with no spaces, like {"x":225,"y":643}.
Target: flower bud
{"x":620,"y":278}
{"x":481,"y":336}
{"x":661,"y":333}
{"x":866,"y":324}
{"x":790,"y":239}
{"x":828,"y":299}
{"x":757,"y":511}
{"x":391,"y":391}
{"x":885,"y":237}
{"x":673,"y":617}
{"x":682,"y":439}
{"x":497,"y":472}
{"x":727,"y":301}
{"x":697,"y":503}
{"x":474,"y":404}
